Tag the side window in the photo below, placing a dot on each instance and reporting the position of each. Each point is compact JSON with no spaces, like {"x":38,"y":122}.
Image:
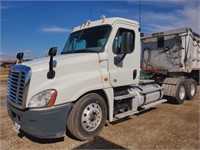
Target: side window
{"x":118,"y":40}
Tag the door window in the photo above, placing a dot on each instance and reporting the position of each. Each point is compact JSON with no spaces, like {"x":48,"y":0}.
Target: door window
{"x":118,"y":40}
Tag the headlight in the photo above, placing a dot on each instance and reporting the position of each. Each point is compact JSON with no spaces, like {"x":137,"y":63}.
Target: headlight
{"x":44,"y":98}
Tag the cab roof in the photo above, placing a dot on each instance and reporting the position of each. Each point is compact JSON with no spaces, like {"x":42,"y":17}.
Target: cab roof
{"x":104,"y":21}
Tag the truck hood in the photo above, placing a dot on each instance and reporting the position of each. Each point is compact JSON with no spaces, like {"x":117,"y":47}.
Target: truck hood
{"x":75,"y":74}
{"x":42,"y":64}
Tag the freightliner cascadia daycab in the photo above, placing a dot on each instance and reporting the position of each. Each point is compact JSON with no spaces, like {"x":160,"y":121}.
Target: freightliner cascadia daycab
{"x":95,"y":79}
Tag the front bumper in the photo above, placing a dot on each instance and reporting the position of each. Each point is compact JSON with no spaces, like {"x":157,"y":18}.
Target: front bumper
{"x":42,"y":123}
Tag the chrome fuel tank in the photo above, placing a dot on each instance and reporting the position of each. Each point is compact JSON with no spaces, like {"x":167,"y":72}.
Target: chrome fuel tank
{"x":145,"y":94}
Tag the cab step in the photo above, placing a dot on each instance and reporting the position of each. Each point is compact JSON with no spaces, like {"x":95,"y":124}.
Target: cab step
{"x":153,"y":104}
{"x":125,"y":114}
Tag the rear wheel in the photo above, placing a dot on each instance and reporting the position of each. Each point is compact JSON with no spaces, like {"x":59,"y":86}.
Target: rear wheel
{"x":87,"y":117}
{"x":180,"y":92}
{"x":175,"y":88}
{"x":190,"y":86}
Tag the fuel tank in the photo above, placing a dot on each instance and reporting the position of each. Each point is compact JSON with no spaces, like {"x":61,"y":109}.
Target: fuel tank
{"x":145,"y":94}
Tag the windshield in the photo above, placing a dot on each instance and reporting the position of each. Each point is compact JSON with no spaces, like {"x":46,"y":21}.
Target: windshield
{"x":87,"y":40}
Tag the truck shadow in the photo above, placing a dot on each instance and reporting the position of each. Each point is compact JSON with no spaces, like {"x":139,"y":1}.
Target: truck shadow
{"x":39,"y":140}
{"x":170,"y":100}
{"x":96,"y":143}
{"x":99,"y":143}
{"x":146,"y":110}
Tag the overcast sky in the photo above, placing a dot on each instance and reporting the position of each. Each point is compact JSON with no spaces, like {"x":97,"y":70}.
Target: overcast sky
{"x":33,"y":27}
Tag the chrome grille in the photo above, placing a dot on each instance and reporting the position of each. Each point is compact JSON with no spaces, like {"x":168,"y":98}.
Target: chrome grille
{"x":18,"y":81}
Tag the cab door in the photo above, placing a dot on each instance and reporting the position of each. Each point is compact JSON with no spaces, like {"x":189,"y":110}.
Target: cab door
{"x":124,"y":68}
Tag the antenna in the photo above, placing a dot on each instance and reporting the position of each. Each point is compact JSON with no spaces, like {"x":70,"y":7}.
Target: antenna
{"x":140,"y":14}
{"x":90,"y":13}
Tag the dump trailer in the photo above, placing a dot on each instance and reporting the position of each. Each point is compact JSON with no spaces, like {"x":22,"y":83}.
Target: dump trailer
{"x":95,"y":79}
{"x":173,"y":55}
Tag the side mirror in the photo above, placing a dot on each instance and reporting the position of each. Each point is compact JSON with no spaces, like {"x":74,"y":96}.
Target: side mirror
{"x":127,"y":41}
{"x":141,"y":34}
{"x":126,"y":47}
{"x":20,"y":56}
{"x":53,"y":51}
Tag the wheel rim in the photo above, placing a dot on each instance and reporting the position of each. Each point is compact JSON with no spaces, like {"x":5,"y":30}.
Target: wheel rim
{"x":91,"y":117}
{"x":182,"y":92}
{"x":192,"y":89}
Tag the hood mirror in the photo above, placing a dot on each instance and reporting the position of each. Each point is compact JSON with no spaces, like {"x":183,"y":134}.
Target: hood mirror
{"x":20,"y":57}
{"x":52,"y":52}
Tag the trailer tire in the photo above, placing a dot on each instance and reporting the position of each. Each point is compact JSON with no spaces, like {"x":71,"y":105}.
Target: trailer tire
{"x":190,"y":87}
{"x":180,"y":93}
{"x":87,"y":117}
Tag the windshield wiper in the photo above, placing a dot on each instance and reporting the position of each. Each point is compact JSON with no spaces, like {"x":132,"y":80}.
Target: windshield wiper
{"x":84,"y":51}
{"x":66,"y":52}
{"x":79,"y":51}
{"x":79,"y":37}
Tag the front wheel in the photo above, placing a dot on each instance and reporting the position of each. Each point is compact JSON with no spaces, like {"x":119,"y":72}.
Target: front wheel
{"x":88,"y":117}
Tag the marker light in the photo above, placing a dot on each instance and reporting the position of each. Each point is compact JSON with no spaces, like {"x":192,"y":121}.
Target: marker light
{"x":103,"y":17}
{"x":85,"y":24}
{"x":88,"y":22}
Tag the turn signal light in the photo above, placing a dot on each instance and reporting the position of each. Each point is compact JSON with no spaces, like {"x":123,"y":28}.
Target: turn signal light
{"x":52,"y":100}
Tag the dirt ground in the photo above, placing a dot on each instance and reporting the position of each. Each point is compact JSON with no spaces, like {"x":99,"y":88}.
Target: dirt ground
{"x":167,"y":126}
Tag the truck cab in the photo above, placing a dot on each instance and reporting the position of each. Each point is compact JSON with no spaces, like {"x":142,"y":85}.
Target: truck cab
{"x":94,"y":79}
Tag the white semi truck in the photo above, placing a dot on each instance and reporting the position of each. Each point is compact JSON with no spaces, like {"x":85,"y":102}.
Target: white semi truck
{"x":96,"y":78}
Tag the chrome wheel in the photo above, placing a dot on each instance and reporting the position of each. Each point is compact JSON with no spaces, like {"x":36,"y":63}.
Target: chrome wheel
{"x":182,"y":92}
{"x":91,"y":117}
{"x":87,"y":117}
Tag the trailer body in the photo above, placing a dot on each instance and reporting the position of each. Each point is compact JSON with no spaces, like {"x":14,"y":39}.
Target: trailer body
{"x":173,"y":52}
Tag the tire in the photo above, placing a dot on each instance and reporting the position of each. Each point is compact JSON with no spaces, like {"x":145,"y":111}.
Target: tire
{"x":191,"y":88}
{"x":180,"y":92}
{"x":175,"y":88}
{"x":87,"y":117}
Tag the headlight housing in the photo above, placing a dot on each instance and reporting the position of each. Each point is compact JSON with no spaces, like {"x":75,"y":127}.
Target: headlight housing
{"x":43,"y":99}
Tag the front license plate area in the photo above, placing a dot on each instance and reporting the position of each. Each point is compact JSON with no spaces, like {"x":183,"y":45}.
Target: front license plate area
{"x":16,"y":127}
